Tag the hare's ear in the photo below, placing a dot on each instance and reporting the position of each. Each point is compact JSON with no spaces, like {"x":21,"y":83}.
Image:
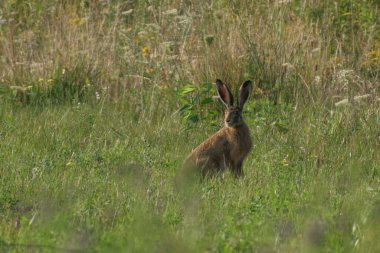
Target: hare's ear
{"x":244,"y":93}
{"x":224,"y":93}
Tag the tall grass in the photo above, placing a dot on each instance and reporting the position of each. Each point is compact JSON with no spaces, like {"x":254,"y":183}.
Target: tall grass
{"x":287,"y":46}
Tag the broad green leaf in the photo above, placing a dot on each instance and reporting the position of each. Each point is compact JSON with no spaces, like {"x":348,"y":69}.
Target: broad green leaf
{"x":183,"y":101}
{"x":188,"y":88}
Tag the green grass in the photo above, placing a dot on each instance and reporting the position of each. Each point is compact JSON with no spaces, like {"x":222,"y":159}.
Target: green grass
{"x":92,"y":139}
{"x":101,"y":177}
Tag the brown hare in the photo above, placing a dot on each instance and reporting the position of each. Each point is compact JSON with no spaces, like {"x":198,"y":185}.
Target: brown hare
{"x":230,"y":145}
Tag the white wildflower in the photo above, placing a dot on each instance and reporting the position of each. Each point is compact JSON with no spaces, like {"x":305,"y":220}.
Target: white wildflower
{"x":317,"y":79}
{"x":347,"y":77}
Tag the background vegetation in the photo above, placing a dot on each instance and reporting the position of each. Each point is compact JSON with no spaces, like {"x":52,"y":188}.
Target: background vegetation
{"x":100,"y":101}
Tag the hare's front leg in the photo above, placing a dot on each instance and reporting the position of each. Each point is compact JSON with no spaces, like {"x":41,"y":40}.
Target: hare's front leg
{"x":237,"y":169}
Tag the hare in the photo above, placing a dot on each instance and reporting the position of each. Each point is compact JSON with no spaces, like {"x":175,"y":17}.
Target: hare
{"x":230,"y":145}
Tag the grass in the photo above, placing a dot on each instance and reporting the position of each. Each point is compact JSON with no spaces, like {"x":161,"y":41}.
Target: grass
{"x":92,"y":139}
{"x":102,"y":177}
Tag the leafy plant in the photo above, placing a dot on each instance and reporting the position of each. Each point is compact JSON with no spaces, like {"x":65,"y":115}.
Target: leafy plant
{"x":197,"y":103}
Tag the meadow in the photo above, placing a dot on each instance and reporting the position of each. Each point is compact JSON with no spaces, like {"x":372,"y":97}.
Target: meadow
{"x":101,"y":101}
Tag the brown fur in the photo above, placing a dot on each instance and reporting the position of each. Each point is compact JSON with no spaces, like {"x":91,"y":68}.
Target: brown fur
{"x":230,"y":145}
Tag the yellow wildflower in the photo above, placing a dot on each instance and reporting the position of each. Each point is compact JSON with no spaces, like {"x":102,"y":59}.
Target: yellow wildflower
{"x":372,"y":60}
{"x":285,"y":161}
{"x":145,"y":51}
{"x":149,"y":70}
{"x":374,"y":52}
{"x":77,"y":21}
{"x":258,"y":91}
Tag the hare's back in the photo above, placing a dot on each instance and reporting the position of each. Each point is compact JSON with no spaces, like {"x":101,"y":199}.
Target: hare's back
{"x":214,"y":146}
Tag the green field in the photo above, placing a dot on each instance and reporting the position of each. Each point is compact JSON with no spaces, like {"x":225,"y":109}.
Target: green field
{"x":101,"y":101}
